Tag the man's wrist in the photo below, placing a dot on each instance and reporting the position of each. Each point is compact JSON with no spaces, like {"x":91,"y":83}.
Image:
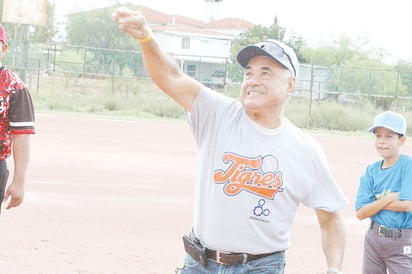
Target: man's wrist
{"x":333,"y":271}
{"x":148,"y":36}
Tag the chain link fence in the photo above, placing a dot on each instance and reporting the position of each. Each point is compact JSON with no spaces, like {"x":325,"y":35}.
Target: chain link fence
{"x":45,"y":65}
{"x":78,"y":61}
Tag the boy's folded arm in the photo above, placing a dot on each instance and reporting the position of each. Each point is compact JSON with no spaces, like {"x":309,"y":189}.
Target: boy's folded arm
{"x":401,"y":206}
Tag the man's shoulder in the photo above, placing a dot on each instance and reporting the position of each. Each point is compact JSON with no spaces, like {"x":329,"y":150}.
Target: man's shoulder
{"x":215,"y":99}
{"x":298,"y":133}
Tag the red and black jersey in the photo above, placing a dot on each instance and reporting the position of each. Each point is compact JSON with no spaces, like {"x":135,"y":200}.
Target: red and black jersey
{"x":16,"y":110}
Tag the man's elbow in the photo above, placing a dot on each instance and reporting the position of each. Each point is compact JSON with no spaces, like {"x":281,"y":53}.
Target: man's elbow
{"x":329,"y":219}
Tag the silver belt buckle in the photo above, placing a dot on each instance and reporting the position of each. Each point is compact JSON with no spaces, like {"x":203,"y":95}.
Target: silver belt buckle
{"x":385,"y":231}
{"x":382,"y":231}
{"x":219,"y":255}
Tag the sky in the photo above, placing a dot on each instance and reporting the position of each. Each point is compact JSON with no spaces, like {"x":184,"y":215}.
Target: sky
{"x":385,"y":23}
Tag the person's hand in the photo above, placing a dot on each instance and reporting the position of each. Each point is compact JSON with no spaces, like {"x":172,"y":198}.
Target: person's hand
{"x":132,"y":22}
{"x":14,"y":195}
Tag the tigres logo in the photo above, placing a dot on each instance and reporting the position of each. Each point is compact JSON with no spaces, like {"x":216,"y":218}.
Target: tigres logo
{"x":256,"y":175}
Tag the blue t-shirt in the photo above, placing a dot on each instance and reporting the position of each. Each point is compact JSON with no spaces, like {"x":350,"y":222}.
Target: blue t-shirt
{"x":376,"y":182}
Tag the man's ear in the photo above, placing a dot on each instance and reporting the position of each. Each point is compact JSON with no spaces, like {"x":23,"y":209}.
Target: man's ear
{"x":291,"y":85}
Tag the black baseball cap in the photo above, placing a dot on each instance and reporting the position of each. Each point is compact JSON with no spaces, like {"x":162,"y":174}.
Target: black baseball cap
{"x":278,"y":51}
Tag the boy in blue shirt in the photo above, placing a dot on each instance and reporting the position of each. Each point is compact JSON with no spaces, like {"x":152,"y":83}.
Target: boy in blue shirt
{"x":385,"y":196}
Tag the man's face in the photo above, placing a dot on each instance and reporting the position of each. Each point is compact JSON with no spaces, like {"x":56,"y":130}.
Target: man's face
{"x":266,"y":85}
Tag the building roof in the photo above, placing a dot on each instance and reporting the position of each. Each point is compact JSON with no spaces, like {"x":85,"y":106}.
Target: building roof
{"x":172,"y":22}
{"x":156,"y":17}
{"x":164,"y":22}
{"x":185,"y":29}
{"x":230,"y":23}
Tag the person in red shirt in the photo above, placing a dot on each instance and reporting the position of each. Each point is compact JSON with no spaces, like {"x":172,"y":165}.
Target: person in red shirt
{"x":16,"y":126}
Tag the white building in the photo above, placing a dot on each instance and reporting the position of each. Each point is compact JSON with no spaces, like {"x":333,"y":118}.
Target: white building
{"x":201,"y":49}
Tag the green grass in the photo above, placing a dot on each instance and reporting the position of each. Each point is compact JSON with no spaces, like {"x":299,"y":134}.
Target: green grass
{"x":120,"y":98}
{"x":132,"y":98}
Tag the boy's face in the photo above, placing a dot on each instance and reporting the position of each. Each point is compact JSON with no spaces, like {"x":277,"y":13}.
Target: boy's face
{"x":387,"y":143}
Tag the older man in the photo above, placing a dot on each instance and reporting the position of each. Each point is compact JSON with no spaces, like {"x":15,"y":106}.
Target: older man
{"x":255,"y":167}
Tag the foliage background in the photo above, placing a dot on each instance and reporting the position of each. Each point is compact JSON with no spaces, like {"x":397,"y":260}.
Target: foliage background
{"x":91,"y":67}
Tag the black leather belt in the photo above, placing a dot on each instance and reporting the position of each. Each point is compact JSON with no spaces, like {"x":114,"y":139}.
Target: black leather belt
{"x":385,"y":231}
{"x":228,"y":258}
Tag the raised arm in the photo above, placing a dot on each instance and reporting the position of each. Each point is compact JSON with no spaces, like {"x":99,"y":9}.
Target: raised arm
{"x":161,"y":67}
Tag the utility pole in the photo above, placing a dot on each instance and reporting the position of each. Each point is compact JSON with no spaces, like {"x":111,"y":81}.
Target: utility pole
{"x":24,"y":50}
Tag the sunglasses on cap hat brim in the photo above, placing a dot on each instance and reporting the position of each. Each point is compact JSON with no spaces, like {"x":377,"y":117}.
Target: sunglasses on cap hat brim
{"x":270,"y":49}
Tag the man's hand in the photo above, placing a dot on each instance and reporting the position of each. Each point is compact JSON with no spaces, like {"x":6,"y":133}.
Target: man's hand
{"x":14,"y":195}
{"x":132,"y":22}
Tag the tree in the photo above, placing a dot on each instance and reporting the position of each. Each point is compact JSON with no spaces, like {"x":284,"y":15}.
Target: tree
{"x":96,"y":30}
{"x":358,"y":67}
{"x":45,"y":34}
{"x":261,"y":33}
{"x":298,"y":44}
{"x":405,"y":70}
{"x":343,"y":51}
{"x":257,"y":34}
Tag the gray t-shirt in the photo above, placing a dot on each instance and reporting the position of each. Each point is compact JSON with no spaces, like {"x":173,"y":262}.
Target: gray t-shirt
{"x":251,"y":179}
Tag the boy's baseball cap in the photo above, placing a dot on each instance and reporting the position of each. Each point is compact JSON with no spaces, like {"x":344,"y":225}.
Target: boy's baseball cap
{"x":390,"y":120}
{"x":276,"y":50}
{"x":2,"y":35}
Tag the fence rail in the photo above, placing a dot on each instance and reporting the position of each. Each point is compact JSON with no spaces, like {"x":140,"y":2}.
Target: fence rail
{"x":344,"y":84}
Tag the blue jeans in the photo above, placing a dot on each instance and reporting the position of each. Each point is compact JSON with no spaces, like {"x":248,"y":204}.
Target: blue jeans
{"x":273,"y":264}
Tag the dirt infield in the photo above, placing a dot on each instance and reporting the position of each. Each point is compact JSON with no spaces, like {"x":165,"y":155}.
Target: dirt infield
{"x":115,"y":196}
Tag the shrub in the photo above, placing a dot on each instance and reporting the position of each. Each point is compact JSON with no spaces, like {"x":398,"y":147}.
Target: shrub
{"x":136,"y":98}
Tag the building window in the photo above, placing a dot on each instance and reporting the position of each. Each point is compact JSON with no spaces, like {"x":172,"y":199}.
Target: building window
{"x":185,"y":42}
{"x":191,"y":70}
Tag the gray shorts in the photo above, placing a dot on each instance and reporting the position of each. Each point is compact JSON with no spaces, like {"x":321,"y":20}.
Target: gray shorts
{"x":387,"y":251}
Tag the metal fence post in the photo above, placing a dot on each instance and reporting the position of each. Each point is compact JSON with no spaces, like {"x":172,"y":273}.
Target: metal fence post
{"x":310,"y":96}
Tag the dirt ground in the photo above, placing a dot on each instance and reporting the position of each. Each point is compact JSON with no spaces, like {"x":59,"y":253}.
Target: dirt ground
{"x":115,"y":196}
